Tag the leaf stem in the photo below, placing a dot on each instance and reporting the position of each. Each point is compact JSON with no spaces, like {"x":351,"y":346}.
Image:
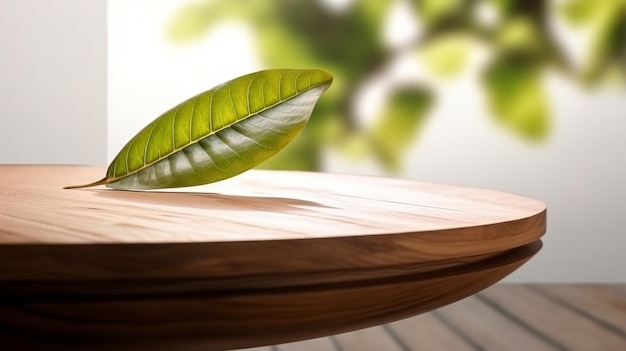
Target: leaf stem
{"x":99,"y":182}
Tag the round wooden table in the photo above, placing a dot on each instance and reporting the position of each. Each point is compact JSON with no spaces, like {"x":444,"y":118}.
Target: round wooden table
{"x":263,"y":258}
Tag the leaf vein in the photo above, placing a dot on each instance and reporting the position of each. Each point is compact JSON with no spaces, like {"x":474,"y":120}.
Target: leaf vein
{"x":253,"y":140}
{"x":296,"y":82}
{"x":169,"y":165}
{"x":193,"y":164}
{"x":127,"y":154}
{"x":230,"y":147}
{"x":115,"y":168}
{"x":174,"y":128}
{"x":263,"y":94}
{"x":230,"y":95}
{"x":193,"y":106}
{"x":248,"y":95}
{"x":145,"y":149}
{"x":211,"y":112}
{"x":279,"y":90}
{"x":206,"y":149}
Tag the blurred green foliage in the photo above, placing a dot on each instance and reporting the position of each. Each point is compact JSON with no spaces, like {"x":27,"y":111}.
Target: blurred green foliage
{"x":607,"y":22}
{"x":350,"y":44}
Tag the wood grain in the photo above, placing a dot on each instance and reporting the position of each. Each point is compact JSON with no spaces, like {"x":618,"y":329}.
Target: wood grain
{"x":571,"y":328}
{"x":248,"y":207}
{"x":595,"y":302}
{"x":241,"y":318}
{"x":462,"y":317}
{"x":229,"y":229}
{"x":428,"y":332}
{"x":263,"y":258}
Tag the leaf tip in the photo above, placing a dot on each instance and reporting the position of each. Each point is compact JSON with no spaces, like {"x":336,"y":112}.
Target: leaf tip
{"x":327,"y":78}
{"x":318,"y":77}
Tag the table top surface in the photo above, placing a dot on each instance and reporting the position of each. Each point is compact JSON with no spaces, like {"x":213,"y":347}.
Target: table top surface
{"x":261,"y":222}
{"x":257,"y":205}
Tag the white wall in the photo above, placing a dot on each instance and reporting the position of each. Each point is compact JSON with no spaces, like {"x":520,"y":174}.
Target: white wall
{"x":53,"y":81}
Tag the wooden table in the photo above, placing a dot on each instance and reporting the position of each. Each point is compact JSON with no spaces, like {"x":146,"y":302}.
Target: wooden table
{"x":264,"y":258}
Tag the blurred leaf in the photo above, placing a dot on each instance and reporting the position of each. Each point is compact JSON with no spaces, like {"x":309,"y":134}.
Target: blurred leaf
{"x":350,"y":40}
{"x":356,"y":146}
{"x":519,"y":35}
{"x":529,"y":8}
{"x":433,"y":11}
{"x":374,"y":12}
{"x":399,"y":123}
{"x":580,"y":11}
{"x":606,"y":20}
{"x":446,"y":55}
{"x":516,"y":97}
{"x":524,"y":31}
{"x":444,"y":17}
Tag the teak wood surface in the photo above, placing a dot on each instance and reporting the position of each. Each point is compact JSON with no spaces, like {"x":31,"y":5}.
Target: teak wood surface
{"x":262,"y":258}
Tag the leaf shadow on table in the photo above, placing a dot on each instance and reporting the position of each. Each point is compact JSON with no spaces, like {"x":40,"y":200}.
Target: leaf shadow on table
{"x":209,"y":201}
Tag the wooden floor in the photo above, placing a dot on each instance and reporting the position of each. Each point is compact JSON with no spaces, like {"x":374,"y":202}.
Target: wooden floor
{"x":503,"y":317}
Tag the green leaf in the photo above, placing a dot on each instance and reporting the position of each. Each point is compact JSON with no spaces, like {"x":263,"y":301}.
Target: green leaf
{"x":400,"y":122}
{"x":219,"y":133}
{"x":516,"y":96}
{"x":446,"y":54}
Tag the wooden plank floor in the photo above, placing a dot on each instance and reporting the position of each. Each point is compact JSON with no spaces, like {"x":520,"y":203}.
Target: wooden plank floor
{"x":538,"y":317}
